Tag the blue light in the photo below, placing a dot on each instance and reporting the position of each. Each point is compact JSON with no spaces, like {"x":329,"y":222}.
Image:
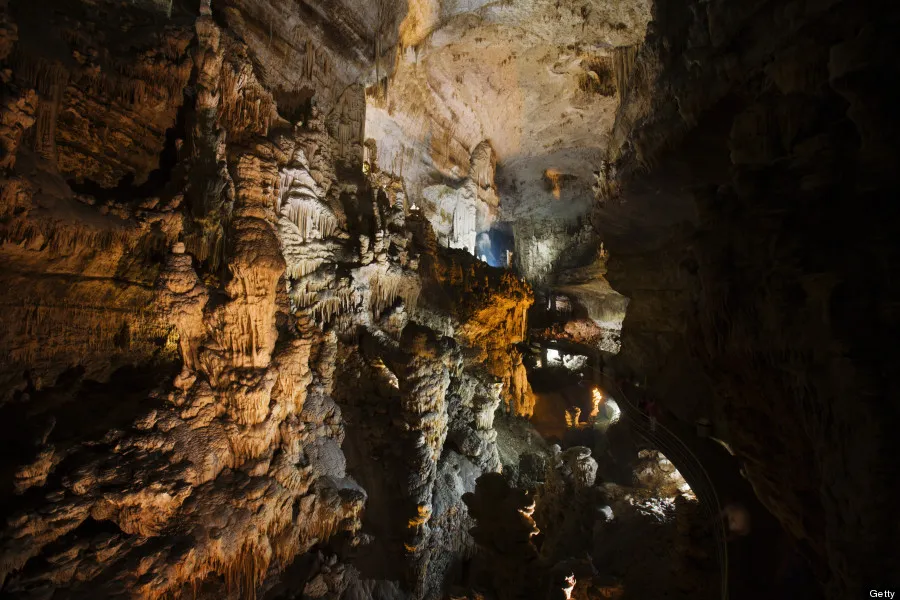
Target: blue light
{"x":493,"y":245}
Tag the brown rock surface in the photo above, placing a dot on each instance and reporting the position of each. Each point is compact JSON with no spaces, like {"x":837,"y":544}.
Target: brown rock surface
{"x":246,"y":348}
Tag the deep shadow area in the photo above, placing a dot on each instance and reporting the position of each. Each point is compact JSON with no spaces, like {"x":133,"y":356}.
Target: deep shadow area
{"x":156,"y":182}
{"x":72,"y":411}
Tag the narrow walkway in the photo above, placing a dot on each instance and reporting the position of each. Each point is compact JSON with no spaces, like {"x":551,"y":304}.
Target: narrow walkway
{"x":687,"y":463}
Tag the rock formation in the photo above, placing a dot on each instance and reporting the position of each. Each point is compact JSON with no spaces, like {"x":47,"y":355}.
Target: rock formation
{"x":253,"y":267}
{"x":755,"y":302}
{"x":252,"y":347}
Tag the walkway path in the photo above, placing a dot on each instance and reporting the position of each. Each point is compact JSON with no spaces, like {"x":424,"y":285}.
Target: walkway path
{"x":687,"y":463}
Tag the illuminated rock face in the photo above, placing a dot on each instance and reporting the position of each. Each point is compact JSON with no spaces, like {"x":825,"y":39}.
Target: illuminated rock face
{"x":229,"y":349}
{"x":533,"y":81}
{"x":237,"y":285}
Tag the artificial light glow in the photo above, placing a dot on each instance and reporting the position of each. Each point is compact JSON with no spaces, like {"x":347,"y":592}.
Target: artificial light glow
{"x":596,"y":399}
{"x":554,"y":177}
{"x":570,"y":585}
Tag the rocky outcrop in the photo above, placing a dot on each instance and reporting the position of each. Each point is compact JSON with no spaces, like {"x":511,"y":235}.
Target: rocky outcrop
{"x":489,"y":310}
{"x":227,"y":473}
{"x":106,"y":99}
{"x":17,"y":118}
{"x":235,"y":458}
{"x":79,"y":283}
{"x":770,"y":293}
{"x":505,"y":530}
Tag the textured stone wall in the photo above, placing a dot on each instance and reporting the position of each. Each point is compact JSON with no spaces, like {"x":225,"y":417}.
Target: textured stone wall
{"x":189,"y":273}
{"x":770,"y":295}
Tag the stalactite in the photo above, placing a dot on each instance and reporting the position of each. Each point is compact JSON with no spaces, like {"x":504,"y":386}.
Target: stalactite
{"x":376,"y":211}
{"x":313,"y":219}
{"x":483,"y":164}
{"x":309,"y":63}
{"x":623,"y":60}
{"x":50,"y":80}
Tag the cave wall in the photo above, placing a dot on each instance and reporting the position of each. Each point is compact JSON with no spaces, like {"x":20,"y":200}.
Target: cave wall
{"x":222,"y":338}
{"x":78,"y":106}
{"x":771,"y":295}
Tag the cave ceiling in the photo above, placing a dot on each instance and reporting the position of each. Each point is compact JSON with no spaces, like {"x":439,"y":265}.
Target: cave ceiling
{"x":534,"y":79}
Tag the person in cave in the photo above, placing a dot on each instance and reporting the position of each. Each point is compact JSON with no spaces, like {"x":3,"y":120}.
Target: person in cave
{"x":653,"y":414}
{"x":649,"y":407}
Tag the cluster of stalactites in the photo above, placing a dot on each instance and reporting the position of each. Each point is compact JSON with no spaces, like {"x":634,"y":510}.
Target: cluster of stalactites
{"x":303,"y":202}
{"x":387,"y":289}
{"x":313,"y":220}
{"x":322,"y":297}
{"x":309,"y":231}
{"x":302,"y":267}
{"x":333,"y":303}
{"x":245,"y":107}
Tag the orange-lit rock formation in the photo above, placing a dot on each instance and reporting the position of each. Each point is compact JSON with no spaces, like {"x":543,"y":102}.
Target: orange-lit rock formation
{"x":242,"y":269}
{"x":249,"y":346}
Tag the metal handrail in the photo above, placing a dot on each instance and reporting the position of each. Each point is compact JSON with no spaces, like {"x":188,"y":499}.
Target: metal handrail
{"x":685,"y":461}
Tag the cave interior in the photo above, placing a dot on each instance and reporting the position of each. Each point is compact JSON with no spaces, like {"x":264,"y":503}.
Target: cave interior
{"x":463,"y":299}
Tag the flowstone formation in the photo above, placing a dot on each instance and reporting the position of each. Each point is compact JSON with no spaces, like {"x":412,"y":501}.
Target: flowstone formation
{"x":255,"y":341}
{"x":273,"y":388}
